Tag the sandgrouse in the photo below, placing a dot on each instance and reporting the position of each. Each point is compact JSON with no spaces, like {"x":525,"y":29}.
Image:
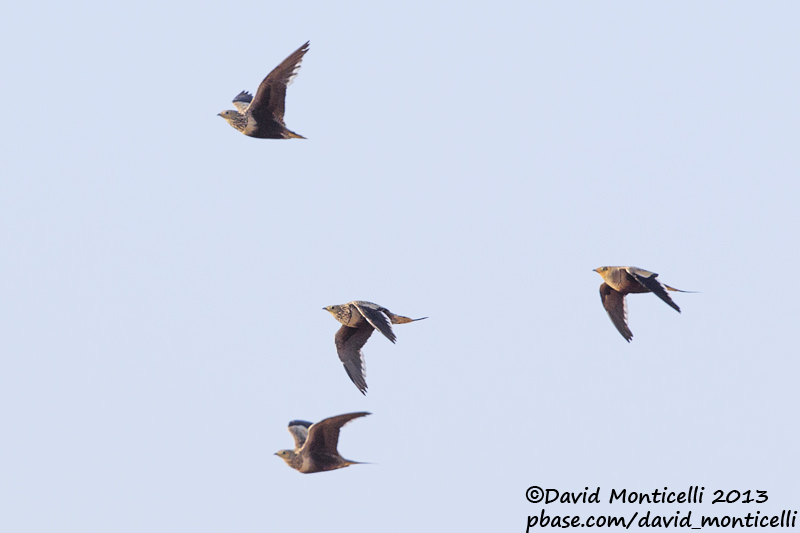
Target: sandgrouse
{"x":262,"y":116}
{"x":359,"y":319}
{"x":315,"y":444}
{"x":620,"y":281}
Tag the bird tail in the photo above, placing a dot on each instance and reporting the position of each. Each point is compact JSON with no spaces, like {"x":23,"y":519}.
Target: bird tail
{"x":676,"y":290}
{"x":292,"y":135}
{"x":397,"y":319}
{"x":349,"y":462}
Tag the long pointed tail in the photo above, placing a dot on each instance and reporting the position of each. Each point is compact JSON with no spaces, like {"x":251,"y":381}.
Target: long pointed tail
{"x":349,"y":462}
{"x":677,"y":290}
{"x":397,"y":319}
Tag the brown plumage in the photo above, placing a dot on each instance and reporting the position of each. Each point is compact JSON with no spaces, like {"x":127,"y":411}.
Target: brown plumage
{"x":359,"y":319}
{"x":621,"y":281}
{"x":315,"y":445}
{"x":262,"y":116}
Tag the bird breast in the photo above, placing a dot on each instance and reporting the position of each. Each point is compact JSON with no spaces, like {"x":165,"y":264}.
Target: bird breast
{"x":306,"y":464}
{"x":352,"y":319}
{"x":251,"y":126}
{"x":615,"y":278}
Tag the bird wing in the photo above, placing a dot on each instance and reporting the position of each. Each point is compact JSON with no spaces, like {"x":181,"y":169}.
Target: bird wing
{"x":299,"y":430}
{"x":242,"y":101}
{"x":269,"y":102}
{"x":617,"y":309}
{"x":648,"y":280}
{"x":376,"y":318}
{"x":349,"y":342}
{"x":323,"y":437}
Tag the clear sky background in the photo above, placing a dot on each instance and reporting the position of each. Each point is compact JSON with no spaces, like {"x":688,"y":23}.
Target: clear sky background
{"x":163,"y":276}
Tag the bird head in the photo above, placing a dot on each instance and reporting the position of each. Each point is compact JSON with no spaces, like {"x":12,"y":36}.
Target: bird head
{"x":613,"y":276}
{"x":333,"y":309}
{"x":342,"y":313}
{"x":286,"y":455}
{"x":603,"y":271}
{"x":228,"y":115}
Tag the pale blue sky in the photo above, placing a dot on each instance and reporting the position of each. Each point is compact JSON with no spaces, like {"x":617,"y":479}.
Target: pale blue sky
{"x":163,"y":276}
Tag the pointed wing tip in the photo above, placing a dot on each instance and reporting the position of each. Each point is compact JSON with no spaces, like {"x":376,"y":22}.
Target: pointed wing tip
{"x":359,"y":381}
{"x":353,"y":416}
{"x":243,"y":96}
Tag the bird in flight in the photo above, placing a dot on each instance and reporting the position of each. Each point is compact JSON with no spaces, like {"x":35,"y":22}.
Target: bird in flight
{"x":359,"y":319}
{"x":621,"y":281}
{"x":315,"y":444}
{"x":262,"y":116}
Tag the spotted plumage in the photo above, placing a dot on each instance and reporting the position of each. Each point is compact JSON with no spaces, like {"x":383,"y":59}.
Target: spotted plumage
{"x":359,"y":319}
{"x":315,"y":445}
{"x":621,"y":281}
{"x":262,"y":116}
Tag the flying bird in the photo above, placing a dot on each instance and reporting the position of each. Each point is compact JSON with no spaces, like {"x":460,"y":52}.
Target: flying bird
{"x":262,"y":116}
{"x":621,"y":281}
{"x":359,"y":319}
{"x":315,"y":444}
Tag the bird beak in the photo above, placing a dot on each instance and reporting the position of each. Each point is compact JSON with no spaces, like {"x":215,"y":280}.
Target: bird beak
{"x":219,"y":114}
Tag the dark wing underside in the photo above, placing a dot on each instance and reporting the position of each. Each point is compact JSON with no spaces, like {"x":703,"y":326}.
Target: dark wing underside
{"x":614,"y":302}
{"x":323,"y":437}
{"x":655,"y":286}
{"x":378,"y":321}
{"x":349,"y":342}
{"x":269,"y":103}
